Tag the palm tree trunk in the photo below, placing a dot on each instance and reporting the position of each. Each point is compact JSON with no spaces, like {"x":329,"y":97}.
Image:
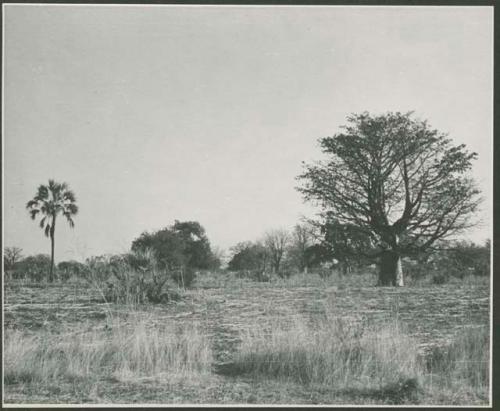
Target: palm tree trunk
{"x":51,"y":273}
{"x":52,"y":246}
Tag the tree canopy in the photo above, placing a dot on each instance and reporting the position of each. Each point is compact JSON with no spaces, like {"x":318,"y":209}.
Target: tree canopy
{"x":184,"y":244}
{"x":248,"y":256}
{"x":395,"y":179}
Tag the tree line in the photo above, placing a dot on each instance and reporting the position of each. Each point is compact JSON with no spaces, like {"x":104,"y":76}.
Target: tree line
{"x":390,"y":187}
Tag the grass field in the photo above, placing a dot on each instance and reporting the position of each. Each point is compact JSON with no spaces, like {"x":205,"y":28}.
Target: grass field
{"x":298,"y":341}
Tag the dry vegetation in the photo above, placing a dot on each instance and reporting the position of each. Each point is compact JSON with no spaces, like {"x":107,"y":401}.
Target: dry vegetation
{"x":304,"y":340}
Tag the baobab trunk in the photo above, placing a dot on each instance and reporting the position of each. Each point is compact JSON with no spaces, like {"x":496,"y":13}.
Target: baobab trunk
{"x":391,"y":269}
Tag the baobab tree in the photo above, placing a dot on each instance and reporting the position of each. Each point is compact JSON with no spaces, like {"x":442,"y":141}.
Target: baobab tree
{"x":50,"y":201}
{"x":401,"y":182}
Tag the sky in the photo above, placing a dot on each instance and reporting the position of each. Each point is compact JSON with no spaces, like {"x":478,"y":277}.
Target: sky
{"x":153,"y":114}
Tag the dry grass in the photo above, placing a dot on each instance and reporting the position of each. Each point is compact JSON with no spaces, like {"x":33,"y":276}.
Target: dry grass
{"x":335,"y":354}
{"x":122,"y":352}
{"x":311,"y":344}
{"x":461,"y":368}
{"x":371,"y":364}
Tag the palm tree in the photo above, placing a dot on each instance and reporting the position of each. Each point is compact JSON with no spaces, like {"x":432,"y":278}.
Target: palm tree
{"x":51,"y":200}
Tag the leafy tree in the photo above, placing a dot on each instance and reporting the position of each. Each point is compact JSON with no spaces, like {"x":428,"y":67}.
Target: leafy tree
{"x":181,"y":248}
{"x":276,"y":242}
{"x":248,"y":256}
{"x":11,"y":256}
{"x":197,"y":246}
{"x":169,"y":247}
{"x":347,"y":243}
{"x":50,"y":201}
{"x":463,"y":257}
{"x":317,"y":254}
{"x":401,"y":182}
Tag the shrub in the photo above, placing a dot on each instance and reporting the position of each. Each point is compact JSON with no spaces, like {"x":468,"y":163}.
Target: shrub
{"x":67,"y":269}
{"x":137,"y":279}
{"x":132,"y":278}
{"x":99,"y":268}
{"x":35,"y":268}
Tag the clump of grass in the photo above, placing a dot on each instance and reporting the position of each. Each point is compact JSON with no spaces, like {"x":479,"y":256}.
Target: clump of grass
{"x":122,"y":352}
{"x":335,"y":354}
{"x":465,"y":362}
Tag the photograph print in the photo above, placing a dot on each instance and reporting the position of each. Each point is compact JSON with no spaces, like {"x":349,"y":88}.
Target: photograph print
{"x":247,"y":205}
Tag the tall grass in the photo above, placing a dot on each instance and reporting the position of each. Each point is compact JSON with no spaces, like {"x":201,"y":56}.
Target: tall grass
{"x":334,"y":354}
{"x":379,"y":363}
{"x":464,"y":362}
{"x":123,"y":353}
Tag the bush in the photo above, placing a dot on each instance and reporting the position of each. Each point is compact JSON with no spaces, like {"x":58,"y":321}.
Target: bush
{"x":132,"y":278}
{"x":35,"y":268}
{"x":67,"y":269}
{"x":100,"y":268}
{"x":454,"y":260}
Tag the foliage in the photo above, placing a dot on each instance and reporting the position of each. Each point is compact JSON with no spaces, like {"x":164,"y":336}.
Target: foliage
{"x":463,"y":258}
{"x":99,"y":268}
{"x":348,"y":244}
{"x":33,"y":267}
{"x":318,"y":254}
{"x":67,"y":269}
{"x":131,"y":278}
{"x":402,"y":183}
{"x":50,"y":201}
{"x":249,"y":257}
{"x":181,"y":249}
{"x":455,"y":259}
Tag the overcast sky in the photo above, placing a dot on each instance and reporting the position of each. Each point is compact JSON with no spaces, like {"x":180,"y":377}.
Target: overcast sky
{"x":153,"y":114}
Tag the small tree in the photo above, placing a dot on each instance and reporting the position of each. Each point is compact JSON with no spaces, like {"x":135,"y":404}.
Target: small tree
{"x":248,"y":256}
{"x":276,"y":242}
{"x":401,"y":182}
{"x":180,"y":249}
{"x":50,"y":201}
